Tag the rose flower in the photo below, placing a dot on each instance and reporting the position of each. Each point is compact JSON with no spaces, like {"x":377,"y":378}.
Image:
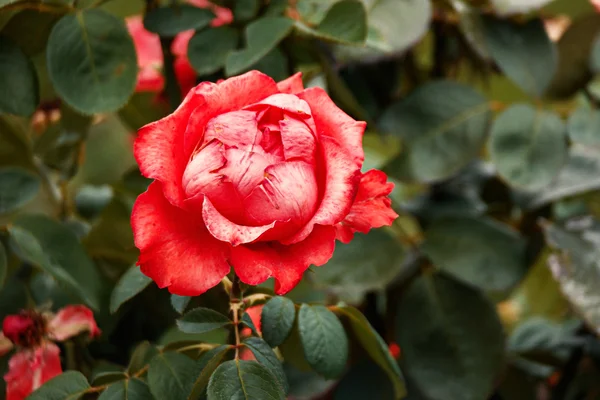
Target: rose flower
{"x":255,"y":175}
{"x":37,"y":359}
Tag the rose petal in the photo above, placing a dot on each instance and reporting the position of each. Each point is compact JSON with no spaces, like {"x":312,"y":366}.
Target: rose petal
{"x":147,"y":44}
{"x":71,"y":321}
{"x":331,"y":121}
{"x":176,"y":250}
{"x":341,"y":183}
{"x":298,"y":140}
{"x":180,"y":43}
{"x":257,"y":262}
{"x":371,"y":209}
{"x":255,"y":313}
{"x":235,"y":129}
{"x":285,"y":102}
{"x":28,"y":370}
{"x":229,"y":95}
{"x":291,"y":85}
{"x":246,"y":169}
{"x":288,"y":192}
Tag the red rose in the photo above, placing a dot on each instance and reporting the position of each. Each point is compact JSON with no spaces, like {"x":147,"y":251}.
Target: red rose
{"x":255,"y":175}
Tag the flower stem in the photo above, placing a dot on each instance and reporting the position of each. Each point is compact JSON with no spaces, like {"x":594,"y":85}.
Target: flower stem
{"x":235,"y":305}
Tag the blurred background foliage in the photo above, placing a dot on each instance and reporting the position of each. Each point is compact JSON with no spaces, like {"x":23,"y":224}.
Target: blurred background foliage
{"x":484,"y":114}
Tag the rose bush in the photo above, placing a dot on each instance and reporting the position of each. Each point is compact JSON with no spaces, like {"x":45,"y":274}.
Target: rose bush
{"x":259,"y":175}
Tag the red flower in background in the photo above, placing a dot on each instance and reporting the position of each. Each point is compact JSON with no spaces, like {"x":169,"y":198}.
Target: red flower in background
{"x":253,"y":174}
{"x":37,"y":358}
{"x":596,"y":4}
{"x":149,"y":52}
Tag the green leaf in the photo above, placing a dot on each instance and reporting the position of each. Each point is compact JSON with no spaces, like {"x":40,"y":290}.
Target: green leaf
{"x":443,"y":126}
{"x":91,"y":61}
{"x":451,"y":339}
{"x":172,"y":376}
{"x":208,"y":49}
{"x":36,"y":24}
{"x":277,"y":320}
{"x":262,"y":35}
{"x":56,"y":249}
{"x":584,"y":126}
{"x":323,"y":339}
{"x":70,"y":385}
{"x":3,"y":264}
{"x":364,"y":381}
{"x":528,"y":146}
{"x":248,"y":380}
{"x":595,"y":56}
{"x":180,"y":303}
{"x":17,"y":187}
{"x":169,"y":21}
{"x":201,"y":320}
{"x":131,"y":389}
{"x":141,"y":109}
{"x":370,"y":262}
{"x":131,"y":283}
{"x":375,"y":347}
{"x":523,"y":52}
{"x":15,"y":144}
{"x":247,"y":320}
{"x":19,"y":93}
{"x":345,"y":22}
{"x":143,"y":353}
{"x":245,"y":10}
{"x":275,"y":64}
{"x":463,"y":248}
{"x":208,"y":363}
{"x":505,"y":7}
{"x":265,"y":356}
{"x":106,"y":378}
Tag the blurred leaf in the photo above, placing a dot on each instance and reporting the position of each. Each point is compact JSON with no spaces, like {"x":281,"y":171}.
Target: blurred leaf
{"x":344,"y":22}
{"x":19,"y":93}
{"x":369,"y":262}
{"x":200,"y":320}
{"x":574,"y":48}
{"x":523,"y":52}
{"x":265,"y":356}
{"x":104,"y":378}
{"x":323,"y":339}
{"x":595,"y":56}
{"x":576,"y":266}
{"x":245,"y":9}
{"x":143,"y":353}
{"x":142,"y":109}
{"x":130,"y":389}
{"x":375,"y":347}
{"x":471,"y":25}
{"x":180,"y":303}
{"x":130,"y":284}
{"x":584,"y":126}
{"x":55,"y":248}
{"x":13,"y":297}
{"x":30,"y":29}
{"x":443,"y":126}
{"x":15,"y":147}
{"x":305,"y":385}
{"x":92,"y":61}
{"x":169,"y":21}
{"x":528,"y":146}
{"x":17,"y":187}
{"x":91,"y":200}
{"x":276,"y":8}
{"x":365,"y":381}
{"x":451,"y":339}
{"x":262,"y":35}
{"x":172,"y":375}
{"x":243,"y":379}
{"x":477,"y":251}
{"x":274,"y":64}
{"x":70,"y":385}
{"x":208,"y":363}
{"x":3,"y":264}
{"x":208,"y":49}
{"x":277,"y":320}
{"x":505,"y":7}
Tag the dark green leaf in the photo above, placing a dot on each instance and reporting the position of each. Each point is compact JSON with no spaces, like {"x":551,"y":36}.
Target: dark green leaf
{"x":443,"y":126}
{"x":277,"y":320}
{"x":15,"y":145}
{"x":169,"y":21}
{"x":17,"y":187}
{"x":274,"y":64}
{"x":105,"y":378}
{"x":180,"y":303}
{"x":143,"y":353}
{"x":463,"y":248}
{"x":523,"y":52}
{"x":370,"y":262}
{"x":375,"y":347}
{"x":55,"y":248}
{"x":243,"y":380}
{"x":365,"y":381}
{"x":265,"y":355}
{"x":208,"y":363}
{"x":262,"y":35}
{"x":19,"y":93}
{"x":345,"y":22}
{"x":451,"y":339}
{"x":91,"y":61}
{"x":528,"y":146}
{"x":141,"y":109}
{"x":172,"y":375}
{"x":131,"y":389}
{"x":247,"y":320}
{"x":200,"y":320}
{"x":595,"y":56}
{"x":3,"y":264}
{"x":208,"y":49}
{"x":70,"y":385}
{"x":245,"y":9}
{"x":323,"y":339}
{"x":305,"y":384}
{"x":584,"y":126}
{"x":36,"y":24}
{"x":130,"y":284}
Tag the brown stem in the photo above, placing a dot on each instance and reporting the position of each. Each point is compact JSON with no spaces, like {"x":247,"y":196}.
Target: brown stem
{"x":235,"y":305}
